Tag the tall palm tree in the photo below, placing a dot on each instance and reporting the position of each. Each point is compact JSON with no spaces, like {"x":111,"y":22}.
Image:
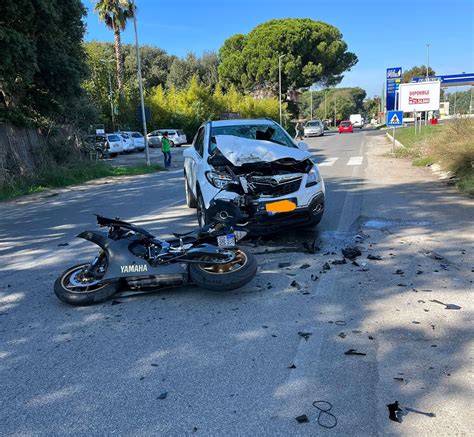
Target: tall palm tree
{"x":115,"y":14}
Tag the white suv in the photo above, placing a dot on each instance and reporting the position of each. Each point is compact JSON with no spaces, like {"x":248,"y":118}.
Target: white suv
{"x":176,"y":136}
{"x":260,"y":169}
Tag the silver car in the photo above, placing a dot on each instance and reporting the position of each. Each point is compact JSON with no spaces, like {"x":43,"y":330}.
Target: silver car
{"x":314,"y":128}
{"x":176,"y":136}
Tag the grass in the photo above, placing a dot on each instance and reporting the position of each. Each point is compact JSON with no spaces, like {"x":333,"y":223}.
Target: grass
{"x":63,"y":176}
{"x":450,"y":145}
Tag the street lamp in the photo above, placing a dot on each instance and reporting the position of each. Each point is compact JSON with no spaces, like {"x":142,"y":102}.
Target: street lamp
{"x":112,"y":109}
{"x":279,"y":83}
{"x":427,"y":60}
{"x":140,"y":85}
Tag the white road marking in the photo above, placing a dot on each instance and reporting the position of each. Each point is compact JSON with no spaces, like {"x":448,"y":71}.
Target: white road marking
{"x":355,"y":160}
{"x":328,"y":162}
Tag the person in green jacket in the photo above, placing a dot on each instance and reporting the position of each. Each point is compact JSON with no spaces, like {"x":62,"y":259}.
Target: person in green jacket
{"x":166,"y":149}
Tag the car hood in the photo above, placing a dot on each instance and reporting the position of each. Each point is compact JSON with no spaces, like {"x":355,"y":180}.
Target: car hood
{"x":241,"y":151}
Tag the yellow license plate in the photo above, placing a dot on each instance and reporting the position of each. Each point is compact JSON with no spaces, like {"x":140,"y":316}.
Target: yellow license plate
{"x":280,"y":206}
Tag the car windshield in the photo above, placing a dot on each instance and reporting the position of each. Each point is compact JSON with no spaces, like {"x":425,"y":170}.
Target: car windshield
{"x":273,"y":133}
{"x":113,"y":138}
{"x":124,"y":135}
{"x":180,"y":132}
{"x":313,"y":123}
{"x":345,"y":123}
{"x":137,"y":135}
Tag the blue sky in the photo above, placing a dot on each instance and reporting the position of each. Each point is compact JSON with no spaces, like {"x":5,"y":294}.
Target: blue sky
{"x":382,"y":33}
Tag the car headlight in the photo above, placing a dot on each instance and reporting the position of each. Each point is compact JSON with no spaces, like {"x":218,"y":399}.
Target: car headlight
{"x":313,"y":177}
{"x":219,"y":180}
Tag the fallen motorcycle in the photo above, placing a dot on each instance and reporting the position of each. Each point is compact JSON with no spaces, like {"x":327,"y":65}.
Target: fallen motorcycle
{"x":131,"y":257}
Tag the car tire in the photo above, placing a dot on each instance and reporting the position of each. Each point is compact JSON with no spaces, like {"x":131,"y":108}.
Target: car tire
{"x":171,"y":143}
{"x":190,"y":199}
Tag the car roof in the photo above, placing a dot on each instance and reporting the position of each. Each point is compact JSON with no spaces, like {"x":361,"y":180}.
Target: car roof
{"x":242,"y":122}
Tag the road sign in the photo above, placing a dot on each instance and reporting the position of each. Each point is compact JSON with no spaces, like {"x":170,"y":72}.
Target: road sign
{"x":100,"y":131}
{"x":422,"y":96}
{"x":394,"y":78}
{"x":394,"y":118}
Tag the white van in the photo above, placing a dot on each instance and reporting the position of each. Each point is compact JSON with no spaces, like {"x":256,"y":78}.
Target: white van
{"x":357,"y":120}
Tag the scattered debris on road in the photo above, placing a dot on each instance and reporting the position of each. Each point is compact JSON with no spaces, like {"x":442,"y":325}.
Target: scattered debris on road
{"x":305,"y":266}
{"x":325,"y":407}
{"x":354,"y":352}
{"x":374,"y":257}
{"x":291,"y":366}
{"x":340,"y":323}
{"x":448,"y":306}
{"x":395,"y":412}
{"x":305,"y":335}
{"x":326,"y":266}
{"x":163,"y":395}
{"x":283,"y":265}
{"x":116,"y":302}
{"x":412,"y":410}
{"x":302,"y":419}
{"x":351,"y":253}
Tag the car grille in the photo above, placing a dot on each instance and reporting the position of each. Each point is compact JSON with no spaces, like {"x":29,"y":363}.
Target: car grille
{"x":272,"y":187}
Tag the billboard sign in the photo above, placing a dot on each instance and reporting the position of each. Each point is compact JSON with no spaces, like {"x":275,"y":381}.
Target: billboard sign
{"x":423,"y":96}
{"x":394,"y":78}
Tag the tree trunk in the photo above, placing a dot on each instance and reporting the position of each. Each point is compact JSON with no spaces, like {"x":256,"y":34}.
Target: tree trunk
{"x":119,"y":60}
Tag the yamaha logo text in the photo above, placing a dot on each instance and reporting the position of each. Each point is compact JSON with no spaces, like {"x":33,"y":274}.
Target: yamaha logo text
{"x":134,"y":268}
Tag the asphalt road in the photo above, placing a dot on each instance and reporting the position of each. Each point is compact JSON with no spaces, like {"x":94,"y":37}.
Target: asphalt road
{"x":234,"y":363}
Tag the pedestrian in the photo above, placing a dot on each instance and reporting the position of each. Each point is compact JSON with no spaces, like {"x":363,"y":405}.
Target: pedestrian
{"x":299,"y":130}
{"x":166,"y":149}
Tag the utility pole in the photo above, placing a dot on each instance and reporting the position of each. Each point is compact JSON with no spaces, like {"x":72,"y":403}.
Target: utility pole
{"x":335,"y":112}
{"x":140,"y":85}
{"x":325,"y":104}
{"x":279,"y":84}
{"x":311,"y":93}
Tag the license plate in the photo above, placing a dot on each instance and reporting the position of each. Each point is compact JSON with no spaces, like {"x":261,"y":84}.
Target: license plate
{"x":280,"y":206}
{"x":226,"y":240}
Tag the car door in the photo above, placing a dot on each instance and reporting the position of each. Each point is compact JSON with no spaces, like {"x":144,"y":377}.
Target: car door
{"x":193,"y":161}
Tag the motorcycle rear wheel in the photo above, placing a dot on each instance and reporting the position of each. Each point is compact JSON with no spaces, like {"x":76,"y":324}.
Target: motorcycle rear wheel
{"x":224,"y":277}
{"x":69,"y":290}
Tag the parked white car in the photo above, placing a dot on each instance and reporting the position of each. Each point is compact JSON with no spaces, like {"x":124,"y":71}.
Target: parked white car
{"x":114,"y":144}
{"x":176,"y":136}
{"x":314,"y":128}
{"x":256,"y":165}
{"x":138,"y":140}
{"x":127,"y":142}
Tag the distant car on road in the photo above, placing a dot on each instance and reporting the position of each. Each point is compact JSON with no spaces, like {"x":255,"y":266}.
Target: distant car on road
{"x":356,"y":120}
{"x":314,"y":128}
{"x":176,"y":137}
{"x":138,"y":140}
{"x":114,"y":144}
{"x":345,"y":126}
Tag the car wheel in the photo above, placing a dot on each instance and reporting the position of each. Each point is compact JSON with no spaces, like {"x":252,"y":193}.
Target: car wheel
{"x":190,"y":199}
{"x":201,"y":212}
{"x":171,"y":143}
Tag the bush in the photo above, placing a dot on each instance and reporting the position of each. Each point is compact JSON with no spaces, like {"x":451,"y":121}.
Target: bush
{"x":453,"y":147}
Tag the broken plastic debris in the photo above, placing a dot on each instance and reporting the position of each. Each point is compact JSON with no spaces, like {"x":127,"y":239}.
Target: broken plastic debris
{"x":305,"y":266}
{"x":282,"y":265}
{"x":305,"y":335}
{"x":326,"y":266}
{"x":339,"y":261}
{"x":394,"y":412}
{"x":340,"y":323}
{"x":342,"y":335}
{"x":399,"y":272}
{"x":374,"y":257}
{"x":354,"y":352}
{"x":412,"y":410}
{"x":162,"y":395}
{"x":116,"y":302}
{"x":312,"y":247}
{"x":63,"y":244}
{"x":351,"y":252}
{"x":302,"y":419}
{"x":314,"y":277}
{"x":448,"y":306}
{"x":296,"y":285}
{"x":292,"y":366}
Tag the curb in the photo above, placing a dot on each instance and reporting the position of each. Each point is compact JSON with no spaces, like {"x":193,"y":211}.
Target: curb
{"x":397,"y":143}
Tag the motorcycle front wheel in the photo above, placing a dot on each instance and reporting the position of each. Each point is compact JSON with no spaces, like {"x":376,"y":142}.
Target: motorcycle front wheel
{"x":224,"y":277}
{"x":75,"y":288}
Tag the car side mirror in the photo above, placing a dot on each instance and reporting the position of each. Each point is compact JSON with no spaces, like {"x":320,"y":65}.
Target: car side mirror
{"x":303,"y":146}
